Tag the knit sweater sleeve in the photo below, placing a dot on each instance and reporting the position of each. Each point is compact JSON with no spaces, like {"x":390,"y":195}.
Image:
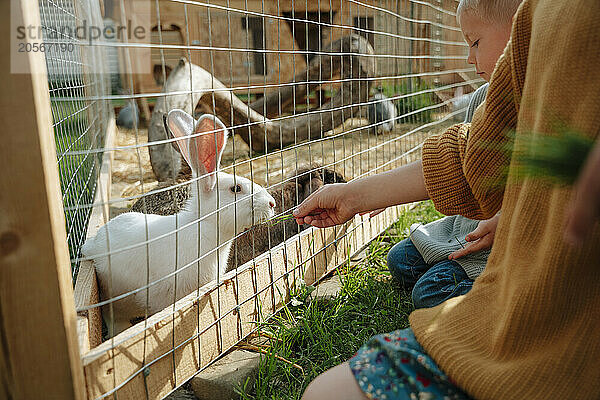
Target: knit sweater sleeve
{"x":465,"y":167}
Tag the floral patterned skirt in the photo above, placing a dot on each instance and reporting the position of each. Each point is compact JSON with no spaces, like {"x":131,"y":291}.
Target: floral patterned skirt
{"x":395,"y":366}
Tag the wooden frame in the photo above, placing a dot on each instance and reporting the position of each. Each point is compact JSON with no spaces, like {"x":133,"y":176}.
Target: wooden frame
{"x":39,"y":356}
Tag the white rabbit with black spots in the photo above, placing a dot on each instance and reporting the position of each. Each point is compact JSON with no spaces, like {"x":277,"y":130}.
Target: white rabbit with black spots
{"x":173,"y":255}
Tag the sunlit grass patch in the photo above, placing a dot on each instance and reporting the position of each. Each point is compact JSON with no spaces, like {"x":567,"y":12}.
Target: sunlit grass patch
{"x":307,"y":338}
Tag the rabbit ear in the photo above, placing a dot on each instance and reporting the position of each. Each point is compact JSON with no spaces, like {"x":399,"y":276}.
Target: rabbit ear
{"x":170,"y":135}
{"x":181,"y":126}
{"x":206,"y":148}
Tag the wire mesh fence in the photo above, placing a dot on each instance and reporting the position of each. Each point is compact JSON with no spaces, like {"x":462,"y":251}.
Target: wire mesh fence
{"x":76,"y":75}
{"x":281,"y":97}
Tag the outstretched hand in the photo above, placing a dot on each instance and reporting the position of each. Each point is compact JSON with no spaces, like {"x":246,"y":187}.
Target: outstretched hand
{"x":481,"y":238}
{"x":584,"y":208}
{"x":330,"y":205}
{"x":338,"y":203}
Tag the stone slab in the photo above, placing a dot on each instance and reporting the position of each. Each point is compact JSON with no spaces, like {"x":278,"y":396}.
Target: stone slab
{"x":219,"y":381}
{"x":327,"y":290}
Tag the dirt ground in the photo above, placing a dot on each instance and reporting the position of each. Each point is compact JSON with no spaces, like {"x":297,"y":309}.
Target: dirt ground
{"x":349,"y":149}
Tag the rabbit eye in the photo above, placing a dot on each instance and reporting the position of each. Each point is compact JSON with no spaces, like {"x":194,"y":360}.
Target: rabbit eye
{"x":236,"y":188}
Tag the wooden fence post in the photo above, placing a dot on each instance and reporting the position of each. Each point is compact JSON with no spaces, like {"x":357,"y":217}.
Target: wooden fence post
{"x":39,"y":352}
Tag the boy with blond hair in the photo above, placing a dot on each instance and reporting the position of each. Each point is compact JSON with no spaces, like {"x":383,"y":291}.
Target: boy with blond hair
{"x":433,"y":262}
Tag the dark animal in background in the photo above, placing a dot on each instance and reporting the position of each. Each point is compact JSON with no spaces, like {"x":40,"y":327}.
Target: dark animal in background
{"x":167,"y":202}
{"x":381,"y":113}
{"x":288,"y":195}
{"x":129,"y":116}
{"x":257,"y":240}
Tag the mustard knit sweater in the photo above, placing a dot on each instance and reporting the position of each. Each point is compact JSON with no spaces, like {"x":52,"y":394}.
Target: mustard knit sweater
{"x":530,"y":327}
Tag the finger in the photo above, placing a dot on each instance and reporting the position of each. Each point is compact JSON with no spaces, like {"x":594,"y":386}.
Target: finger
{"x":478,"y":233}
{"x":322,"y":223}
{"x":458,"y":253}
{"x":470,"y":248}
{"x":316,"y":214}
{"x":308,"y":205}
{"x":309,"y":219}
{"x":321,"y":214}
{"x":579,"y":221}
{"x":583,"y":209}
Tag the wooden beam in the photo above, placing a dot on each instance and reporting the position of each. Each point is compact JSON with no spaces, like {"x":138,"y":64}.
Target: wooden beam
{"x":323,"y":6}
{"x":89,"y":322}
{"x":280,"y":133}
{"x":464,"y":76}
{"x":37,"y":314}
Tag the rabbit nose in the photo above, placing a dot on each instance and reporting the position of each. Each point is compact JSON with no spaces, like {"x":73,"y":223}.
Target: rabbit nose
{"x":272,"y":203}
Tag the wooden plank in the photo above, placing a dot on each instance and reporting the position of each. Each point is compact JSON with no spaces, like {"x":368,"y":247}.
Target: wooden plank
{"x":341,"y":249}
{"x":170,"y":358}
{"x":229,"y":324}
{"x":89,"y":322}
{"x":322,"y":246}
{"x":292,"y":266}
{"x":305,"y":253}
{"x":38,"y":327}
{"x":210,"y":347}
{"x":281,"y":283}
{"x":332,"y":244}
{"x":358,"y":233}
{"x":248,"y":309}
{"x":264,"y":285}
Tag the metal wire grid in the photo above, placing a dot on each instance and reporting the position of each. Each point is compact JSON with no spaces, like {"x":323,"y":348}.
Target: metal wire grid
{"x":417,"y":47}
{"x":74,"y":73}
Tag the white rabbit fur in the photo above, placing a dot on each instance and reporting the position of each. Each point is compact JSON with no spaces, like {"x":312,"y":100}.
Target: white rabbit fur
{"x":197,"y":226}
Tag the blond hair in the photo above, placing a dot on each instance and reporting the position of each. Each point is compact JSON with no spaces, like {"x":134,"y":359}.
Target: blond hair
{"x":497,"y":11}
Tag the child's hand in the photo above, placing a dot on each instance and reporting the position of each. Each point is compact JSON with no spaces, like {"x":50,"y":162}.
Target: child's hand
{"x":330,"y":205}
{"x":584,"y":208}
{"x":480,"y":239}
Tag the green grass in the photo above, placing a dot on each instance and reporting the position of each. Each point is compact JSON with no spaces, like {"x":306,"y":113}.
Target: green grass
{"x":76,"y":173}
{"x":320,"y":335}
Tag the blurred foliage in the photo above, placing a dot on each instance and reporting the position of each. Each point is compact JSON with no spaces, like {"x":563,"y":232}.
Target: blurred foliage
{"x":412,"y":98}
{"x":557,"y":158}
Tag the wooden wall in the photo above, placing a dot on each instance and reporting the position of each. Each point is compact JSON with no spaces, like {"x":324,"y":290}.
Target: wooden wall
{"x":216,"y":29}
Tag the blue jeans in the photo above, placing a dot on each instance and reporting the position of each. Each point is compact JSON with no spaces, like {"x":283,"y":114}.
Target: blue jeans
{"x":431,"y":284}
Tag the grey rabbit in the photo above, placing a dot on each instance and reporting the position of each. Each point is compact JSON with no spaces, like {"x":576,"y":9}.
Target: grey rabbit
{"x":297,"y":186}
{"x":167,"y":202}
